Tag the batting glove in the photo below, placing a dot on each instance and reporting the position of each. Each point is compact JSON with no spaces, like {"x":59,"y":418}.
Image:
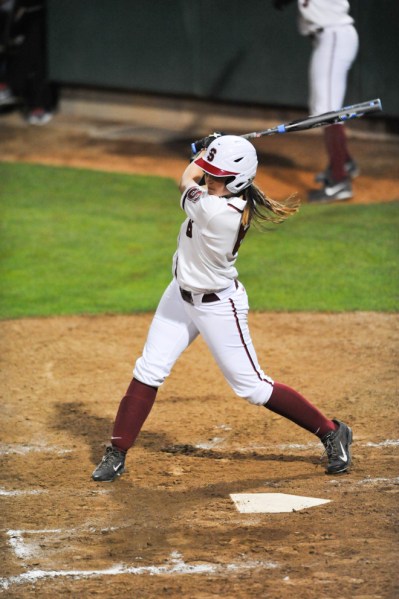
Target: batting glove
{"x":202,"y":144}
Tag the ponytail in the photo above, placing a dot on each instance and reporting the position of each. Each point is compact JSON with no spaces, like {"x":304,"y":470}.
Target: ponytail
{"x":263,"y":209}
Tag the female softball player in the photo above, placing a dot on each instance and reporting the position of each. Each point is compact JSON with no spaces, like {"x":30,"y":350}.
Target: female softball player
{"x":205,"y":298}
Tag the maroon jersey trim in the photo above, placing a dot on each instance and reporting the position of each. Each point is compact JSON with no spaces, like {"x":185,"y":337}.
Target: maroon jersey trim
{"x":235,"y":208}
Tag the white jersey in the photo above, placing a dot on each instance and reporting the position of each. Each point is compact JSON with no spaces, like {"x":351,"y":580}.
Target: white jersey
{"x":319,"y":14}
{"x":208,"y":241}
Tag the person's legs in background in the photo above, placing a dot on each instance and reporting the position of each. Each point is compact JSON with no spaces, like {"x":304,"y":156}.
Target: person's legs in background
{"x":334,"y":51}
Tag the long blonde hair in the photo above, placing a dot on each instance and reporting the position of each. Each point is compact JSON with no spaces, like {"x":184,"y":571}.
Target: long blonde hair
{"x":262,"y":209}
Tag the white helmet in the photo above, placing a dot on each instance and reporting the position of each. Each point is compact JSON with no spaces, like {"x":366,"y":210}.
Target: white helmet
{"x":233,"y":157}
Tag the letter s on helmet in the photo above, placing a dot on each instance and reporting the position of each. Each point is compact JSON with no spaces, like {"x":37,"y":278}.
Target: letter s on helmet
{"x":233,"y":157}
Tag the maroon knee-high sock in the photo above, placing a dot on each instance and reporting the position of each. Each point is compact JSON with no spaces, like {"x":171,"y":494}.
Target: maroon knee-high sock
{"x":289,"y":403}
{"x":335,"y":139}
{"x":132,"y":413}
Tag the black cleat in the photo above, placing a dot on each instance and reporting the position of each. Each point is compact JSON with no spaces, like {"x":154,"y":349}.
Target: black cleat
{"x":337,"y":444}
{"x":111,"y":466}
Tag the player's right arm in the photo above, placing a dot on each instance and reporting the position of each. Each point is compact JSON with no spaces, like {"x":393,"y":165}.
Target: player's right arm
{"x":191,"y":176}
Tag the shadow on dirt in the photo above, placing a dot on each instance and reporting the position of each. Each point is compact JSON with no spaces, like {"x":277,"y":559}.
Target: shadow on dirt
{"x":197,"y":452}
{"x":95,"y":431}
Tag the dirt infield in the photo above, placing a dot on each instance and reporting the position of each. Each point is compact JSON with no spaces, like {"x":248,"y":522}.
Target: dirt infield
{"x":64,"y":378}
{"x":168,"y":527}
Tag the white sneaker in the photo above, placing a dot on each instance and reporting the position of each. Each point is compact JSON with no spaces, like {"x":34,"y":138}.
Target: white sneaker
{"x":332,"y":192}
{"x":39,"y":117}
{"x":6,"y":96}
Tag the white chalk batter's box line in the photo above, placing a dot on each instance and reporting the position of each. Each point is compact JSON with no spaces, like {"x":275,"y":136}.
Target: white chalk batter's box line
{"x":19,"y":449}
{"x":175,"y":565}
{"x":221,"y":441}
{"x":22,"y":492}
{"x":18,"y":493}
{"x":24,"y":550}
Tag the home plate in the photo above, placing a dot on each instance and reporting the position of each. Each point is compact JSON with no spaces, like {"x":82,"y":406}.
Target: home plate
{"x":273,"y":503}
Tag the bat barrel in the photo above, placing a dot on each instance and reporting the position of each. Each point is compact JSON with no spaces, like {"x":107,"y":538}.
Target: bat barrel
{"x":370,"y":106}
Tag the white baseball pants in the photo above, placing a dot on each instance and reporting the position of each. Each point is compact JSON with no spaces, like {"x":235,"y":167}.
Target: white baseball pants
{"x":334,"y":50}
{"x":223,"y":325}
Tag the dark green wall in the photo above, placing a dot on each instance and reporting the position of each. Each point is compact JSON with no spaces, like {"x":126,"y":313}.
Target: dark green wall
{"x":226,"y":50}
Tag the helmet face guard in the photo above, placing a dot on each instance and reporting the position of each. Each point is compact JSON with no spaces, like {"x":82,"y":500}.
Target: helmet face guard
{"x":231,"y":157}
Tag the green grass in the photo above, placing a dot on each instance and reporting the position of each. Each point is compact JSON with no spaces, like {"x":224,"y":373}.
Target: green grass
{"x":83,"y":242}
{"x":327,"y":257}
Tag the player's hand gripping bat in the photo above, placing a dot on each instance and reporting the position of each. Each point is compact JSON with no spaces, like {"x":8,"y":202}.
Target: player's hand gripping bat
{"x":311,"y":122}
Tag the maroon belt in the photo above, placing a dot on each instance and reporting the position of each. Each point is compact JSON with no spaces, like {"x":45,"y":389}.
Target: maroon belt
{"x":206,"y":298}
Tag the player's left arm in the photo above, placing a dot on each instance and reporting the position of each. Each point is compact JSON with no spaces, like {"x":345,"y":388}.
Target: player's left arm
{"x":191,"y":176}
